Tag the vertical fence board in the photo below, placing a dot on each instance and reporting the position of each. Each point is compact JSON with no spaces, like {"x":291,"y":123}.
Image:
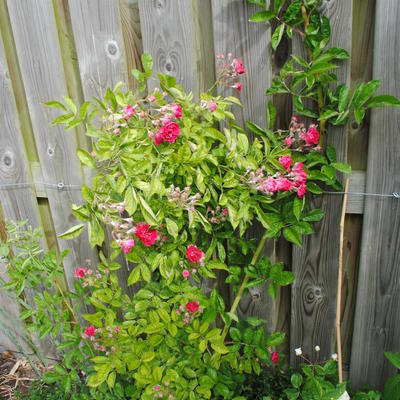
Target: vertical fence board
{"x":130,"y":22}
{"x":361,"y":71}
{"x":249,"y":42}
{"x":99,"y":45}
{"x":18,"y":203}
{"x":377,"y":322}
{"x":172,"y":34}
{"x":316,"y":263}
{"x":35,"y":34}
{"x":101,"y":56}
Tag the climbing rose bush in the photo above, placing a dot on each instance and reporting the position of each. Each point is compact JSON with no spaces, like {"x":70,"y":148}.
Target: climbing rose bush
{"x":178,"y":195}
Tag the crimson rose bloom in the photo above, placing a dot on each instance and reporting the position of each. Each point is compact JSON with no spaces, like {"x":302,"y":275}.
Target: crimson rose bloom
{"x":170,"y":132}
{"x":192,"y":306}
{"x":194,"y":254}
{"x":312,"y":135}
{"x":145,"y":235}
{"x":274,"y":357}
{"x":80,"y":272}
{"x":90,"y":330}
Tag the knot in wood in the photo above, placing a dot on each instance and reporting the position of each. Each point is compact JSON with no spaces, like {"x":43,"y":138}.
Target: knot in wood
{"x":50,"y":151}
{"x":8,"y":160}
{"x":112,"y":49}
{"x":255,"y":296}
{"x":159,"y":5}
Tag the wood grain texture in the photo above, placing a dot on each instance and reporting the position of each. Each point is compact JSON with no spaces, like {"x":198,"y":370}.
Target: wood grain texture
{"x":362,"y":48}
{"x":39,"y":57}
{"x":377,"y":323}
{"x":18,"y":203}
{"x":316,"y":263}
{"x":101,"y":57}
{"x":132,"y":35}
{"x":99,"y":45}
{"x":249,"y":42}
{"x":178,"y":36}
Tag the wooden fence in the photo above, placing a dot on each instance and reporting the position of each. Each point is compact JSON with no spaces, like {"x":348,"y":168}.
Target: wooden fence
{"x":50,"y":48}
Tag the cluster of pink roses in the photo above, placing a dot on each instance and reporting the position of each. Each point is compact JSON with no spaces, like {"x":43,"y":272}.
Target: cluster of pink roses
{"x":229,"y":70}
{"x":189,"y":311}
{"x":300,"y":138}
{"x":143,"y":232}
{"x":195,"y":256}
{"x":87,"y":275}
{"x":169,"y":130}
{"x":97,"y":336}
{"x":182,"y":198}
{"x":218,"y":215}
{"x":294,"y":179}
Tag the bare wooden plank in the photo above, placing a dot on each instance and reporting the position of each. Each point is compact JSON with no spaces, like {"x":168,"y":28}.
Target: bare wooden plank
{"x":377,"y":323}
{"x":177,"y":35}
{"x":249,"y":42}
{"x":39,"y":57}
{"x":132,"y":34}
{"x":99,"y":45}
{"x":315,"y":264}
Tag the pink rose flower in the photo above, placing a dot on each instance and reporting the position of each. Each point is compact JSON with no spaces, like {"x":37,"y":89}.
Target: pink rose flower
{"x":170,"y":132}
{"x":212,"y":106}
{"x":286,"y":161}
{"x":271,"y":185}
{"x":194,"y":254}
{"x":238,"y":66}
{"x":283,"y":184}
{"x":126,"y":245}
{"x":192,"y":306}
{"x":152,"y":99}
{"x":274,"y":357}
{"x":146,"y":235}
{"x":157,"y":388}
{"x":185,"y":273}
{"x":312,"y":135}
{"x":177,"y":110}
{"x":166,"y":120}
{"x":298,"y":167}
{"x":158,"y":138}
{"x":288,"y":141}
{"x":301,"y":191}
{"x":128,"y":112}
{"x":80,"y":272}
{"x":90,"y":331}
{"x":238,"y":86}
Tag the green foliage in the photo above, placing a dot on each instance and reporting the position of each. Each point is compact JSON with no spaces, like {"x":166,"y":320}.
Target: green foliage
{"x":392,"y":386}
{"x":312,"y":80}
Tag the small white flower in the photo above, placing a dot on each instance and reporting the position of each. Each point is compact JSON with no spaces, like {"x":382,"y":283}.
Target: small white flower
{"x":298,"y":351}
{"x":344,"y":396}
{"x":334,"y":356}
{"x":317,"y":348}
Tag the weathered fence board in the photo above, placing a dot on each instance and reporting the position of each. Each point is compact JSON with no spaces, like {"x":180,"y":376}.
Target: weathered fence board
{"x":316,"y":264}
{"x":101,"y":57}
{"x":83,"y":47}
{"x":18,"y":203}
{"x":249,"y":43}
{"x":42,"y":74}
{"x":179,"y":39}
{"x":377,"y":320}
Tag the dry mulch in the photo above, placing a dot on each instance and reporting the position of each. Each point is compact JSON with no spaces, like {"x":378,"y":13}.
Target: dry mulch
{"x":16,"y":374}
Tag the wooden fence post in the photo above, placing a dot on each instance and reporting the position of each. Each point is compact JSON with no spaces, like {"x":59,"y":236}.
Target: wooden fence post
{"x":377,"y":322}
{"x":315,"y":264}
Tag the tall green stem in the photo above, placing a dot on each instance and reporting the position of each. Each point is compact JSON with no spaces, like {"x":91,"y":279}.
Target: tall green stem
{"x":242,"y":287}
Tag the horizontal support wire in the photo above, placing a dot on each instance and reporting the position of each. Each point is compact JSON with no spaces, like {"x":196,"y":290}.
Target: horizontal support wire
{"x":61,"y":186}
